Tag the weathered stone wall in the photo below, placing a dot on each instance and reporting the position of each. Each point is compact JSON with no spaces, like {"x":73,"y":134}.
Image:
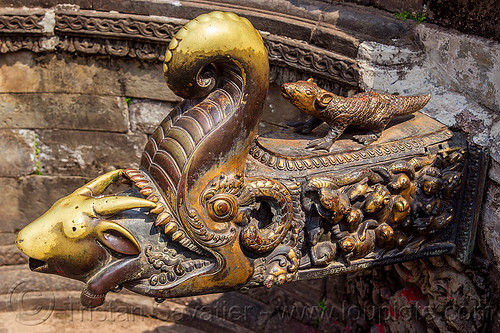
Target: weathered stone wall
{"x":69,"y":113}
{"x":65,"y":119}
{"x":462,"y":72}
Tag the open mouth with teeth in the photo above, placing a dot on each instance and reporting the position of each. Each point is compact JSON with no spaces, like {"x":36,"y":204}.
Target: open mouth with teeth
{"x":38,"y":265}
{"x":175,"y":258}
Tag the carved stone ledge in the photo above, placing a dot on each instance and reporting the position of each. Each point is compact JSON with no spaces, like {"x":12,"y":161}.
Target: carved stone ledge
{"x":146,"y":38}
{"x":115,"y":48}
{"x":114,"y":25}
{"x":21,"y":23}
{"x":312,"y":60}
{"x":17,"y":43}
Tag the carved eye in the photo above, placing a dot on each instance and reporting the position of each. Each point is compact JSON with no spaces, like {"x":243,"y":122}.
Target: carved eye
{"x":222,"y":207}
{"x":309,"y":93}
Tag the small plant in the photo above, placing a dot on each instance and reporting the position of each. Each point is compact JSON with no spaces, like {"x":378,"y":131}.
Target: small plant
{"x":129,"y":100}
{"x":406,"y":15}
{"x":38,"y":169}
{"x":322,"y":307}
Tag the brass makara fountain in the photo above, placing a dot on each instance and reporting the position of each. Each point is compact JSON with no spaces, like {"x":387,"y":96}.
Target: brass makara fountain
{"x":214,"y":207}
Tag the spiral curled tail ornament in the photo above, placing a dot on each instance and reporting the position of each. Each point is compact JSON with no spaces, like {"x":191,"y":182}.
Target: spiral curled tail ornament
{"x":218,"y":64}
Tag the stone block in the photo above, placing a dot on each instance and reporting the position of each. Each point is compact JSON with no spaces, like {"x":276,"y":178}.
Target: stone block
{"x":18,"y":152}
{"x":459,"y":110}
{"x":489,"y":233}
{"x":364,"y":22}
{"x":10,"y":255}
{"x":469,"y":16}
{"x":22,"y":72}
{"x":469,"y":64}
{"x":7,"y":238}
{"x":388,"y":55}
{"x":145,"y":80}
{"x":25,"y":199}
{"x":10,"y":217}
{"x":88,"y":153}
{"x":494,"y":171}
{"x":336,"y":41}
{"x":495,"y":146}
{"x":63,"y":111}
{"x":18,"y":73}
{"x":146,"y":115}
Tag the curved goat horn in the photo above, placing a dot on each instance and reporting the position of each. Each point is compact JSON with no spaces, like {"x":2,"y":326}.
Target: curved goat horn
{"x":100,"y":184}
{"x":114,"y":204}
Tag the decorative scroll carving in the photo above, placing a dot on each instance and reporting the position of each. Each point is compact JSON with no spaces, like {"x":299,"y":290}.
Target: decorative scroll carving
{"x":214,"y":208}
{"x":116,"y":25}
{"x":26,"y":24}
{"x":14,"y":44}
{"x":143,"y":51}
{"x":271,"y":159}
{"x":322,"y":64}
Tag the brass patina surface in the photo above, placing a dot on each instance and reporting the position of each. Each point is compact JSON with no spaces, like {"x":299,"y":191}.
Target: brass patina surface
{"x":213,"y":207}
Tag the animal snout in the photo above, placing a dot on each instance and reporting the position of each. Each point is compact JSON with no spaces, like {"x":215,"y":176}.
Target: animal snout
{"x":285,"y":89}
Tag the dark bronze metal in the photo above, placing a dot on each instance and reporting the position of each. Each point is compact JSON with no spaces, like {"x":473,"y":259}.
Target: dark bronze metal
{"x":371,"y":110}
{"x":215,"y":208}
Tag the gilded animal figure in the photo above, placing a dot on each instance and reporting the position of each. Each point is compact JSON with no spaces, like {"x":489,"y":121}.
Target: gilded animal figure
{"x":371,"y":110}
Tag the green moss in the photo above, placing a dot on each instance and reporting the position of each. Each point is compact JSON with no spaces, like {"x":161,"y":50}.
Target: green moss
{"x":38,"y":169}
{"x":322,"y":306}
{"x":406,"y":15}
{"x":129,"y":100}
